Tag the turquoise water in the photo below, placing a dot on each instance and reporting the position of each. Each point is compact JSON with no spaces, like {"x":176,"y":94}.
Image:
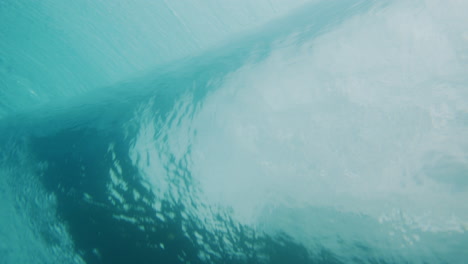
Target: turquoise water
{"x":233,"y":132}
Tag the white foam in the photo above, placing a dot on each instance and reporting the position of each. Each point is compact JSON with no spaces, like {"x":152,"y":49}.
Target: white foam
{"x":326,"y":139}
{"x":346,"y":120}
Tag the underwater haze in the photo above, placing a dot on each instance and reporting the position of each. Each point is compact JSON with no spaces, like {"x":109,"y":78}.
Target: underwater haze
{"x":234,"y":131}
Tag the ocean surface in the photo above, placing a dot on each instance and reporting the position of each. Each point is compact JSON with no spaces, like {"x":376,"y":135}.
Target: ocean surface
{"x":234,"y":131}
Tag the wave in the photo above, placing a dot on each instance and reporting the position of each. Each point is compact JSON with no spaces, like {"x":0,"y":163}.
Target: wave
{"x":53,"y":50}
{"x":333,"y":135}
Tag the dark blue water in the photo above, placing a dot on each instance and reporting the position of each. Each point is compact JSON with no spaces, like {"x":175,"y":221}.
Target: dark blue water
{"x":333,"y":133}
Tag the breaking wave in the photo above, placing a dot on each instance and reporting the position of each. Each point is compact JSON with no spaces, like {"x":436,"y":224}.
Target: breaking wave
{"x":334,"y":134}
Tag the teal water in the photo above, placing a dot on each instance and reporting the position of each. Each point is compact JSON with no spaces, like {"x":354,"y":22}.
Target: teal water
{"x":233,"y":132}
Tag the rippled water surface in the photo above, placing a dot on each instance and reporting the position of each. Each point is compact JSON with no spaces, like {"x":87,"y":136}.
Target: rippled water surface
{"x":234,"y":131}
